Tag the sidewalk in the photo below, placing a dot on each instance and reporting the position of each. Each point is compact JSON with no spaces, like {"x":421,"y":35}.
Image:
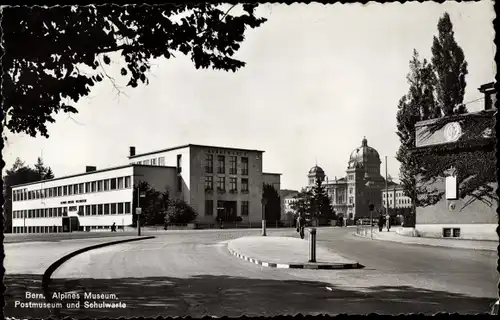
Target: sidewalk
{"x":435,"y":242}
{"x":286,"y":252}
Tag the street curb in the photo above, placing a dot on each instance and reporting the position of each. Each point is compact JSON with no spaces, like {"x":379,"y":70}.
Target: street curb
{"x":53,"y":267}
{"x":424,"y":244}
{"x":296,"y":266}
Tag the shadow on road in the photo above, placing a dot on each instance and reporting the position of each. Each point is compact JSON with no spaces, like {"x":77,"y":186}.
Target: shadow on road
{"x":234,"y":296}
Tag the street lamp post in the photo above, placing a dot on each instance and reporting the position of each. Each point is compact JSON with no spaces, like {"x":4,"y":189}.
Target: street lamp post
{"x":264,"y":202}
{"x":371,"y":207}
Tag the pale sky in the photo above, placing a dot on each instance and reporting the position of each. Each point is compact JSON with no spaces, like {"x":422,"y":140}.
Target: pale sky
{"x":318,"y":78}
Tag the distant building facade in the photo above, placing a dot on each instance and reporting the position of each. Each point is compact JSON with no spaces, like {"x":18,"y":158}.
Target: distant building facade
{"x":466,"y":135}
{"x":394,"y":197}
{"x":352,"y":194}
{"x":213,"y":180}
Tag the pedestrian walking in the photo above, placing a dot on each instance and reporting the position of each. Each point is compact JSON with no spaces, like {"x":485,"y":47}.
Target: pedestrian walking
{"x":113,"y":227}
{"x":301,"y":222}
{"x":388,"y":222}
{"x":380,"y":222}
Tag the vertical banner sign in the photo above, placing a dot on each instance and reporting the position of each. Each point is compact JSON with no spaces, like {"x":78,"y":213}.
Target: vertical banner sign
{"x":451,"y":188}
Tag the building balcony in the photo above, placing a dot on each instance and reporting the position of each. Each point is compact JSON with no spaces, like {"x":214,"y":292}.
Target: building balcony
{"x":209,"y":190}
{"x":233,"y":191}
{"x":221,"y":191}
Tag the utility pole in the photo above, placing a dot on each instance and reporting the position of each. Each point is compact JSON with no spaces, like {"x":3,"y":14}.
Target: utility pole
{"x":386,"y":193}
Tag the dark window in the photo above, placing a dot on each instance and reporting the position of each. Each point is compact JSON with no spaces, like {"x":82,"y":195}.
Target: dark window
{"x":179,"y":163}
{"x":244,"y":166}
{"x":106,"y":208}
{"x":100,"y":185}
{"x":87,"y":210}
{"x":87,"y":187}
{"x":81,"y":188}
{"x":59,"y":212}
{"x":113,"y":208}
{"x":232,"y":165}
{"x":209,"y":163}
{"x":209,"y":207}
{"x":93,"y":186}
{"x":209,"y":183}
{"x":105,"y":185}
{"x":51,"y":190}
{"x":221,"y":183}
{"x":127,"y":207}
{"x":244,"y":185}
{"x":446,"y":232}
{"x":65,"y":190}
{"x":232,"y":185}
{"x":179,"y":184}
{"x":94,"y":210}
{"x":113,"y":184}
{"x":456,"y":233}
{"x":99,"y":209}
{"x":128,"y":182}
{"x":221,"y":164}
{"x":161,"y":161}
{"x":244,"y":208}
{"x":120,"y":183}
{"x":120,"y":207}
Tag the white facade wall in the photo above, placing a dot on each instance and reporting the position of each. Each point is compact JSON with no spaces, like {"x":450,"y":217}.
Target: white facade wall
{"x":396,"y":198}
{"x":169,"y":159}
{"x":123,"y":195}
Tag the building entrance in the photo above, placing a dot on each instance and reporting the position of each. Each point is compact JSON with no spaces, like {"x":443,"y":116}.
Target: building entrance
{"x":226,"y":210}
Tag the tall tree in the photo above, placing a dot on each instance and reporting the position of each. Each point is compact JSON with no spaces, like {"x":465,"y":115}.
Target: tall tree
{"x":44,"y":172}
{"x":447,"y":85}
{"x":417,"y":105}
{"x":54,"y":55}
{"x":302,"y":203}
{"x":321,"y":203}
{"x":273,"y":205}
{"x":20,"y":173}
{"x":451,"y":68}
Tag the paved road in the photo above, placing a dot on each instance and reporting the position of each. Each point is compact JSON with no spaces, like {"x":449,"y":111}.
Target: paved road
{"x":192,"y":273}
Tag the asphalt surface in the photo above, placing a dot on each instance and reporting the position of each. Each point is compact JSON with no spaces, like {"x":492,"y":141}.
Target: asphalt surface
{"x":193,"y":274}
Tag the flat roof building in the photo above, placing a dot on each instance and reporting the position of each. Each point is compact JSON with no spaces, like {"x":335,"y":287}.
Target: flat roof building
{"x":215,"y":181}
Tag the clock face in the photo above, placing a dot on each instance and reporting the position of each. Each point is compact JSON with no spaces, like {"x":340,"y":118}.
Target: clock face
{"x":452,"y":131}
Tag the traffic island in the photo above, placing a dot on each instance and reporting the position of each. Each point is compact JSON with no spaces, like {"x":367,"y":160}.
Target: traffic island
{"x":287,"y":253}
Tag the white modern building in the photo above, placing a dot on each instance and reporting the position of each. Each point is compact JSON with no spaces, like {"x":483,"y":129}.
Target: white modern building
{"x":215,"y":181}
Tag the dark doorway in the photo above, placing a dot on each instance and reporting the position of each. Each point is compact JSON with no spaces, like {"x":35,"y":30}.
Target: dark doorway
{"x":226,"y":210}
{"x":70,"y":224}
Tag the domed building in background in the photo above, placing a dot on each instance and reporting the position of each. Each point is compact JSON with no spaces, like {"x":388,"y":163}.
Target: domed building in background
{"x":361,"y":186}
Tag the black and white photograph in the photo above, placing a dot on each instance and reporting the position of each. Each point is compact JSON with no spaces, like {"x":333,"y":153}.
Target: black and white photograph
{"x":249,"y":159}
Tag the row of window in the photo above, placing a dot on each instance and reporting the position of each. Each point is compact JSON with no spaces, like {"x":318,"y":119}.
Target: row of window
{"x":160,"y":161}
{"x":73,"y":189}
{"x":398,"y":194}
{"x":87,"y":210}
{"x":54,"y":229}
{"x":399,"y":201}
{"x":221,"y":184}
{"x":209,"y":207}
{"x":221,"y":164}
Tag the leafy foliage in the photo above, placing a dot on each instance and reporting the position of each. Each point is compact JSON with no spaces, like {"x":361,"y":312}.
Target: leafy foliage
{"x":21,"y":173}
{"x":437,"y":90}
{"x":273,"y":205}
{"x":154,"y":204}
{"x":180,"y":212}
{"x":321,"y":206}
{"x":303,"y":202}
{"x":53,"y":56}
{"x":449,"y":63}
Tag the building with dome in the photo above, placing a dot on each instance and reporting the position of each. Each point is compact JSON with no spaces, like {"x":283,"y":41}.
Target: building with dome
{"x":361,"y":186}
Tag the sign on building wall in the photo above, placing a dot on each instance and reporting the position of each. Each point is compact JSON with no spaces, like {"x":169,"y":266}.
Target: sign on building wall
{"x":451,"y":188}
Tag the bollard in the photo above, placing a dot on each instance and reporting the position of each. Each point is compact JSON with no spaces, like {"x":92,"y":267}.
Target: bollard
{"x":312,"y":244}
{"x":264,"y":228}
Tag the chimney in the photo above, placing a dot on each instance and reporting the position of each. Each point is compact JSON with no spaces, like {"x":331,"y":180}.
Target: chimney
{"x":132,"y":151}
{"x":90,"y":168}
